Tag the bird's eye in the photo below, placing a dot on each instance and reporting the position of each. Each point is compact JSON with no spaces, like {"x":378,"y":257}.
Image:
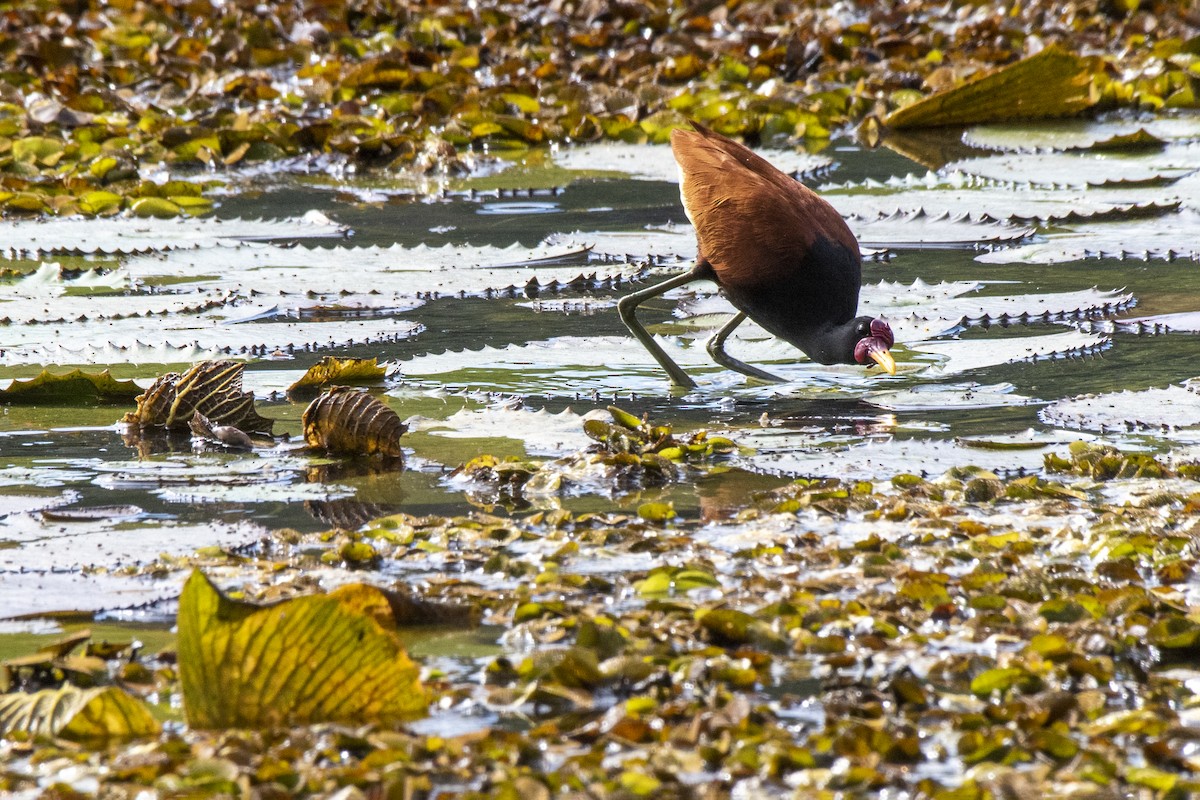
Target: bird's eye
{"x":864,"y":329}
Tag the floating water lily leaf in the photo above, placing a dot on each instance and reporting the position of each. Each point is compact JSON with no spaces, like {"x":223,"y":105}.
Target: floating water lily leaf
{"x":157,"y":207}
{"x":38,"y":309}
{"x":958,"y":193}
{"x":730,"y":626}
{"x":920,"y":229}
{"x":1182,"y":322}
{"x":656,"y":162}
{"x":1052,"y":83}
{"x":1087,"y":168}
{"x":541,"y":432}
{"x":1156,"y":411}
{"x":352,"y":422}
{"x":1082,"y":134}
{"x":560,"y":366}
{"x":920,"y":311}
{"x":334,"y":657}
{"x":121,"y":235}
{"x":50,"y":279}
{"x":974,"y":353}
{"x":172,"y":340}
{"x":327,"y":281}
{"x":782,"y":452}
{"x":667,"y":242}
{"x":104,"y":712}
{"x":915,"y":229}
{"x":210,"y":388}
{"x":1165,"y":238}
{"x":346,"y":371}
{"x":76,"y":387}
{"x":937,"y":396}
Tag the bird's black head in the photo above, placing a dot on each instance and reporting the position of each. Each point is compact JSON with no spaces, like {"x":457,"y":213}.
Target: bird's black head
{"x":874,"y":340}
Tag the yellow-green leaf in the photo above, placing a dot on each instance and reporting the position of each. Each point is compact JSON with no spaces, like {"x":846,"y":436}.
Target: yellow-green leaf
{"x":332,"y":657}
{"x":159,"y":207}
{"x":657,"y":512}
{"x":1052,"y":83}
{"x":38,"y":148}
{"x":99,"y":202}
{"x":192,"y":204}
{"x":74,"y":713}
{"x":1000,"y":679}
{"x":522,"y":102}
{"x":341,"y":371}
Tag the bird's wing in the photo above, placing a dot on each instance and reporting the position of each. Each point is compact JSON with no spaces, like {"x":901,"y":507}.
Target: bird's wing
{"x":753,"y":222}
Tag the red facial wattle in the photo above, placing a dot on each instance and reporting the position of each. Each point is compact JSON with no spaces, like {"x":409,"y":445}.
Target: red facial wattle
{"x":876,"y":347}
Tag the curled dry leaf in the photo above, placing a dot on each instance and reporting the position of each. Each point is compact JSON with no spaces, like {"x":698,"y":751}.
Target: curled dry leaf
{"x":352,"y":422}
{"x":211,"y":388}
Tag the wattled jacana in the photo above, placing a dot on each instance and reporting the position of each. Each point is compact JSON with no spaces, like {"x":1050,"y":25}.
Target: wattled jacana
{"x":782,"y":256}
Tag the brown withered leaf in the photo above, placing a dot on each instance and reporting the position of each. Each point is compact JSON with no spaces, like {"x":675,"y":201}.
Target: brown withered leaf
{"x":211,"y":388}
{"x":1052,"y":83}
{"x":352,"y":422}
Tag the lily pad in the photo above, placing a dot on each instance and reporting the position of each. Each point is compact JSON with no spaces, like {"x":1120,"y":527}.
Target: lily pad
{"x":937,"y":397}
{"x":121,"y":235}
{"x":172,"y":340}
{"x":374,"y":278}
{"x":781,"y":452}
{"x":1152,"y":411}
{"x":958,"y":193}
{"x":974,"y":353}
{"x":344,"y":371}
{"x":541,"y":432}
{"x":1079,"y":134}
{"x":1089,"y":168}
{"x":1166,"y":238}
{"x":657,"y":162}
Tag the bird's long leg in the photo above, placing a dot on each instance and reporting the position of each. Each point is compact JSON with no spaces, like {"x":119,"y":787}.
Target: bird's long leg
{"x":629,"y":303}
{"x":716,"y":349}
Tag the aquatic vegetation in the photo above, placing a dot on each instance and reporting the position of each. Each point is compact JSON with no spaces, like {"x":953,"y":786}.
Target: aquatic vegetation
{"x":845,"y":585}
{"x":225,"y":87}
{"x":965,"y":625}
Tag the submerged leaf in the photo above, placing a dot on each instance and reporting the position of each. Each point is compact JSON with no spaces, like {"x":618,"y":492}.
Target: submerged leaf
{"x":1052,"y":83}
{"x":332,"y":657}
{"x":72,"y":713}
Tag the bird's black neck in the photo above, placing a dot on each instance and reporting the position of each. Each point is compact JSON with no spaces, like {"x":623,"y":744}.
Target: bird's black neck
{"x":831,"y":344}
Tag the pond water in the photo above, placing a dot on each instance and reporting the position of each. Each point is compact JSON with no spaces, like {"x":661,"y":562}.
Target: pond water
{"x":1005,"y":312}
